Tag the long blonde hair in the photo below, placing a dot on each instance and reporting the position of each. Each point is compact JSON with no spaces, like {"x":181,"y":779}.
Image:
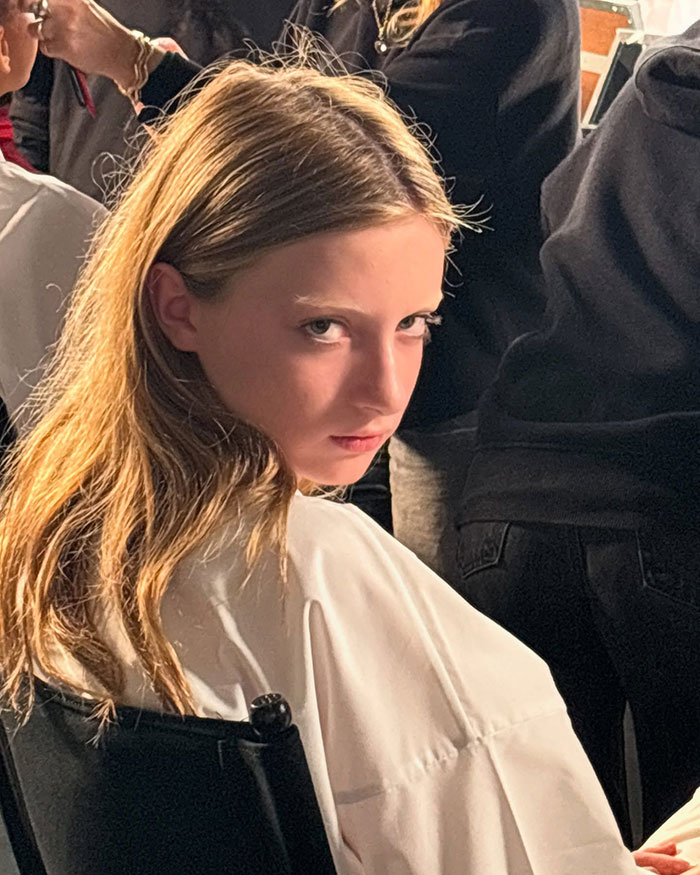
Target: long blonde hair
{"x":404,"y":20}
{"x":134,"y":461}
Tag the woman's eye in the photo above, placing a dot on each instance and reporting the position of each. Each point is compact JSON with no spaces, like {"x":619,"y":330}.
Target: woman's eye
{"x":417,"y":324}
{"x":325,"y":330}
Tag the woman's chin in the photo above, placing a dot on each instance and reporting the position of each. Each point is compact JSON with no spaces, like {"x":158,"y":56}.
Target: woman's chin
{"x":340,"y":474}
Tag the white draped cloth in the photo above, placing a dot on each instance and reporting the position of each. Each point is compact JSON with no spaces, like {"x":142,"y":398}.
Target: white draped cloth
{"x":683,"y":828}
{"x":437,"y":743}
{"x":45,"y":227}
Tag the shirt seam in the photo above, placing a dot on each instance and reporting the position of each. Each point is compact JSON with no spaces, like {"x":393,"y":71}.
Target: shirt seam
{"x":431,"y":763}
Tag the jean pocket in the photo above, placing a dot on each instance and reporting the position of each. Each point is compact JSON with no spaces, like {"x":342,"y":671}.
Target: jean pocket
{"x":670,"y":566}
{"x":480,"y":546}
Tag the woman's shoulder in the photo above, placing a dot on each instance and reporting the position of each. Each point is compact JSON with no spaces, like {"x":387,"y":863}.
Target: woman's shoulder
{"x":378,"y":654}
{"x":336,"y":537}
{"x":314,"y":517}
{"x":373,"y":610}
{"x":504,"y":18}
{"x":367,"y":586}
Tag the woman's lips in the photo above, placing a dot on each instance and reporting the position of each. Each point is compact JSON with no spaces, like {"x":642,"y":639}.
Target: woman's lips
{"x":359,"y":443}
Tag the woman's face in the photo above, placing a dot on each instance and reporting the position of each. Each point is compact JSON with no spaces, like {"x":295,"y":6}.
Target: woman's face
{"x":319,"y":344}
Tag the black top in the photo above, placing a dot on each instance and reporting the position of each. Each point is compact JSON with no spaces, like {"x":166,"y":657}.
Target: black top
{"x":595,"y":418}
{"x":497,"y":82}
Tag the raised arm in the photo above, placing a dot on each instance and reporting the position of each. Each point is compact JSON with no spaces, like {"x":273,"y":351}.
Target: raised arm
{"x":85,"y":35}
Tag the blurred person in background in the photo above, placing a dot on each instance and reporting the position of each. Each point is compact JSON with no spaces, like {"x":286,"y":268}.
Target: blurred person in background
{"x":57,"y":135}
{"x":45,"y":226}
{"x":578,"y":526}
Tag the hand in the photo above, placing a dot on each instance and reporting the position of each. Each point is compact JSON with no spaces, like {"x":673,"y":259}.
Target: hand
{"x":661,"y":859}
{"x":86,"y":36}
{"x":168,"y":44}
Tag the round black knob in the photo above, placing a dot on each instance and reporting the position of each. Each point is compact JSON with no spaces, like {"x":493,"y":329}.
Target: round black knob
{"x":270,"y":714}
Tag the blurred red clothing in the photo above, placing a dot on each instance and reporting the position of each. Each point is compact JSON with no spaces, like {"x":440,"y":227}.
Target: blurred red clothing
{"x":7,"y":141}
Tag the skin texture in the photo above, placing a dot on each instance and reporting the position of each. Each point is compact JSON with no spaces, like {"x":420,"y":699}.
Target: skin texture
{"x":18,"y":46}
{"x":318,"y":341}
{"x":661,"y":859}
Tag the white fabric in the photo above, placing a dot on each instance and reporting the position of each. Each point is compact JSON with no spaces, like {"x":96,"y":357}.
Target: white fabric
{"x":437,"y":743}
{"x":44,"y":229}
{"x":666,"y":17}
{"x":683,"y":828}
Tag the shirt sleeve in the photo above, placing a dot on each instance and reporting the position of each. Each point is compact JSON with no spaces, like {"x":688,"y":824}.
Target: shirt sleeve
{"x":522,"y":802}
{"x":165,"y":83}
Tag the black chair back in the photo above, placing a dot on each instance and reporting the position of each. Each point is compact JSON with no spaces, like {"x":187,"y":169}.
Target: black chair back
{"x":158,"y":794}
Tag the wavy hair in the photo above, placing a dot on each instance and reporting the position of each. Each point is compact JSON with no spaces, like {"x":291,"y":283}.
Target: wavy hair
{"x":133,"y":460}
{"x":404,"y":20}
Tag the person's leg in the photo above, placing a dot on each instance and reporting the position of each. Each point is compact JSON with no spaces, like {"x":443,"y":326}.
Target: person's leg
{"x":428,"y":468}
{"x":647,"y":585}
{"x":530,"y":579}
{"x":372,"y":494}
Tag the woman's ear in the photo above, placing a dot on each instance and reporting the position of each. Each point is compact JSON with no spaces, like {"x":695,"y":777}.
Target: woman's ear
{"x":5,"y":66}
{"x":173,"y":305}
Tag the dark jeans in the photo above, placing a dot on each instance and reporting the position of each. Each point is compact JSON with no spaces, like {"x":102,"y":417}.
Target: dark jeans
{"x":616,"y":615}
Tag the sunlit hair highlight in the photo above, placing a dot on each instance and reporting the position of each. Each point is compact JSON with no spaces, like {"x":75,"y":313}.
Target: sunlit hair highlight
{"x":134,"y":461}
{"x":404,"y":20}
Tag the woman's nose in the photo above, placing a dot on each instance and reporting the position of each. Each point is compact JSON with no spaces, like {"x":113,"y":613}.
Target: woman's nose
{"x":385,"y":380}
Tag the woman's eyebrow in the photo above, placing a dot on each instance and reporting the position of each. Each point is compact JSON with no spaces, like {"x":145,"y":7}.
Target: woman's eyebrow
{"x":337,"y":306}
{"x":326,"y":304}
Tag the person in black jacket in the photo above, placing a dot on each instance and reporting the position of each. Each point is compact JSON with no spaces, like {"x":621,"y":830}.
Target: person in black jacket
{"x":579,"y":518}
{"x":497,"y":83}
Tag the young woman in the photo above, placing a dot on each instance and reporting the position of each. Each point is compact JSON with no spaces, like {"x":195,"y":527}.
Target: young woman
{"x":252,"y":320}
{"x":497,"y":83}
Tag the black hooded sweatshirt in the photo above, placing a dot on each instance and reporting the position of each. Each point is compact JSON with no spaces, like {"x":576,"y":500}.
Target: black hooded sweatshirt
{"x":595,"y":418}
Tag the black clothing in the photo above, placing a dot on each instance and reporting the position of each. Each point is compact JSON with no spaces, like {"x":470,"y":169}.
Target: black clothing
{"x":578,"y":527}
{"x":614,"y":613}
{"x":595,"y":418}
{"x":497,"y":83}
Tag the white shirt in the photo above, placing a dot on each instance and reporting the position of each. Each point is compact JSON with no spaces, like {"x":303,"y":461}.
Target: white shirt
{"x":44,"y":230}
{"x":437,"y":743}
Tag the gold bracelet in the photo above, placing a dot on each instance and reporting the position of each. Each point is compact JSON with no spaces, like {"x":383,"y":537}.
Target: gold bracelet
{"x":143,"y":56}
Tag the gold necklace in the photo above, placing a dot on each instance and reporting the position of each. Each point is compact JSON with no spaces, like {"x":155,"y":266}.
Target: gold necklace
{"x":380,"y":44}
